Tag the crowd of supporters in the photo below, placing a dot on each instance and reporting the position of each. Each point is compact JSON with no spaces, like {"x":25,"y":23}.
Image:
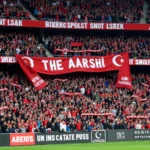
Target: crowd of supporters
{"x":29,"y":44}
{"x":73,"y":103}
{"x":75,"y":10}
{"x":20,"y":43}
{"x":148,"y":15}
{"x":87,"y":10}
{"x":73,"y":45}
{"x":12,"y":9}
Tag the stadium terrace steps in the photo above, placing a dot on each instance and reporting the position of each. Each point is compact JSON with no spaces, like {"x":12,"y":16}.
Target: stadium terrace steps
{"x":31,"y":16}
{"x":145,"y":10}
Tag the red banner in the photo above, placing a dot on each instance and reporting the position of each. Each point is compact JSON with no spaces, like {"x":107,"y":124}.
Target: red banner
{"x":77,"y":51}
{"x":54,"y":66}
{"x":132,"y":62}
{"x":124,"y":79}
{"x":32,"y":75}
{"x":20,"y":139}
{"x":76,"y":44}
{"x":137,"y":117}
{"x":71,"y":94}
{"x":73,"y":25}
{"x":96,"y":114}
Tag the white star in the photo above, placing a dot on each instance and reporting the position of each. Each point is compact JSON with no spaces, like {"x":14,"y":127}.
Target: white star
{"x":122,"y":60}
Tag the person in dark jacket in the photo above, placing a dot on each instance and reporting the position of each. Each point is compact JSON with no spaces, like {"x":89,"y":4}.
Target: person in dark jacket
{"x":123,"y":125}
{"x":116,"y":126}
{"x":4,"y":127}
{"x":42,"y":129}
{"x":49,"y":124}
{"x":11,"y":129}
{"x":53,"y":127}
{"x":105,"y":125}
{"x":72,"y":126}
{"x":57,"y":125}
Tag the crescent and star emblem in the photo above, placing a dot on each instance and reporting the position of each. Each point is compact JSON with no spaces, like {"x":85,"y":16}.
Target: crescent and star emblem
{"x":98,"y":135}
{"x":30,"y":60}
{"x":115,"y":62}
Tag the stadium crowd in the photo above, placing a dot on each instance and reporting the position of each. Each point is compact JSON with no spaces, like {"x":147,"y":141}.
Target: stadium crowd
{"x":86,"y":10}
{"x":73,"y":45}
{"x":148,"y":15}
{"x":20,"y":43}
{"x":30,"y":44}
{"x":12,"y":9}
{"x":73,"y":103}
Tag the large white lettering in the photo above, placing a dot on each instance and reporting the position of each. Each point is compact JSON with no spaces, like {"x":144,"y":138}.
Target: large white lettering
{"x":45,"y":64}
{"x":40,"y":138}
{"x":71,"y":64}
{"x":142,"y":61}
{"x":59,"y":64}
{"x":65,"y":137}
{"x":86,"y":63}
{"x":7,"y":59}
{"x":92,"y":64}
{"x":55,"y":24}
{"x":22,"y":139}
{"x":53,"y":65}
{"x":96,"y":25}
{"x":77,"y":25}
{"x":115,"y":26}
{"x":82,"y":136}
{"x":69,"y":25}
{"x":78,"y":63}
{"x":13,"y":22}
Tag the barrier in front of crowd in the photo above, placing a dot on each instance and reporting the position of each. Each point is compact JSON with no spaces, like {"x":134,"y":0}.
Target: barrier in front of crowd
{"x":23,"y":139}
{"x":60,"y":137}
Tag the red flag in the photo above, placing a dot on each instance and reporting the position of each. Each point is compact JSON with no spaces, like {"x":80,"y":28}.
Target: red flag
{"x":35,"y":79}
{"x":124,"y":76}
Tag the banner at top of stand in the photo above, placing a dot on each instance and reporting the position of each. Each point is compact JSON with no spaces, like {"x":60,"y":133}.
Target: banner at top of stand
{"x":73,"y":25}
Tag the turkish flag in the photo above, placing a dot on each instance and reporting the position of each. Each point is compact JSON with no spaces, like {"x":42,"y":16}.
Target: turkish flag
{"x":124,"y":76}
{"x":32,"y":75}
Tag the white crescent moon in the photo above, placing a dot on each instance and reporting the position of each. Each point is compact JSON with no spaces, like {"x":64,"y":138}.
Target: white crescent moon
{"x":31,"y":61}
{"x":96,"y":135}
{"x":114,"y":60}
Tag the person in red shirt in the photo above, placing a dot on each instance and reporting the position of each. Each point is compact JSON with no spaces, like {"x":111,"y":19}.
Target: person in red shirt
{"x":45,"y":121}
{"x":148,"y":125}
{"x":75,"y":18}
{"x":78,"y":125}
{"x":57,"y":17}
{"x":92,"y":122}
{"x":25,"y":100}
{"x":27,"y":15}
{"x":31,"y":127}
{"x":74,"y":113}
